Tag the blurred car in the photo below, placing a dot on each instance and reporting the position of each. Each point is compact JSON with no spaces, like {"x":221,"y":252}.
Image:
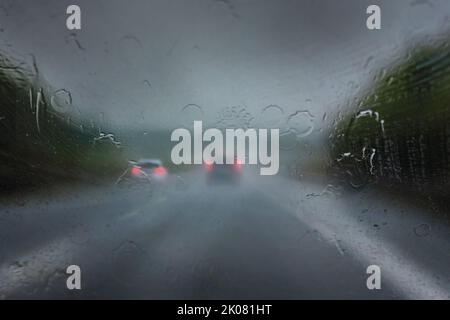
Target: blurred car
{"x":146,"y":170}
{"x":217,"y":173}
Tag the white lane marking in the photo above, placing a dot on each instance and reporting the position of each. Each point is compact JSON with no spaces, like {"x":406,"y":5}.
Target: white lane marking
{"x":412,"y":280}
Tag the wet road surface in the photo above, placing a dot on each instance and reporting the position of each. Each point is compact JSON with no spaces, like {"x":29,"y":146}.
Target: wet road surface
{"x":264,"y":238}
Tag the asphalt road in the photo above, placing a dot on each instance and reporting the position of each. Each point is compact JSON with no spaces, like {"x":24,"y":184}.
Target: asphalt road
{"x":265,"y":238}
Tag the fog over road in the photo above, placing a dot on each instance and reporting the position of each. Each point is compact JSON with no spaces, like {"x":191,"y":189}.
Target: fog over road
{"x":268,"y":237}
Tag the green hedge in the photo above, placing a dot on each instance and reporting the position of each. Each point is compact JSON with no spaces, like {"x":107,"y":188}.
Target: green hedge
{"x":42,"y":136}
{"x":399,"y":133}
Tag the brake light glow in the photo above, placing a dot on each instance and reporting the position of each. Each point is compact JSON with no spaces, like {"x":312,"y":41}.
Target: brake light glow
{"x":209,"y":166}
{"x":238,"y":165}
{"x":161,"y":171}
{"x":136,"y":170}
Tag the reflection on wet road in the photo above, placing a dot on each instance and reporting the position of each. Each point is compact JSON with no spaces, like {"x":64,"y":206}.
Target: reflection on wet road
{"x":268,"y":237}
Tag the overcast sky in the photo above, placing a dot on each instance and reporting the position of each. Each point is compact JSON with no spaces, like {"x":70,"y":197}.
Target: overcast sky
{"x":140,"y":62}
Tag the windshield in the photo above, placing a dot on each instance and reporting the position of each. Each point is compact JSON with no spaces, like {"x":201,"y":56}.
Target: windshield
{"x":148,"y":164}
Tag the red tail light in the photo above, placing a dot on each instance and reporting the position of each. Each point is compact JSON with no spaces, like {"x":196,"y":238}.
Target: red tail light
{"x":209,"y":166}
{"x":161,"y":171}
{"x":238,"y":165}
{"x":136,"y":170}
